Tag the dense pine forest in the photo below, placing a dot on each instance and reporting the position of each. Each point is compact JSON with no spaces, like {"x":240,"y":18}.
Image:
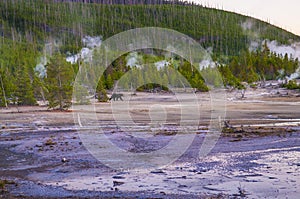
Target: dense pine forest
{"x":38,"y":36}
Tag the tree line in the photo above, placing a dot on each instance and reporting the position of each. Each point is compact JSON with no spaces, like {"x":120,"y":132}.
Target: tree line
{"x":27,"y":26}
{"x":22,"y":85}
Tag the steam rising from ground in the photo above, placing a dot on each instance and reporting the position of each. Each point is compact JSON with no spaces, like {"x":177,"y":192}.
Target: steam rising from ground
{"x":92,"y":42}
{"x":256,"y":42}
{"x":40,"y":68}
{"x":86,"y":53}
{"x":293,"y":50}
{"x":295,"y":75}
{"x":253,"y":35}
{"x":134,"y":60}
{"x":50,"y":47}
{"x":207,"y":61}
{"x":161,"y":64}
{"x":247,"y":25}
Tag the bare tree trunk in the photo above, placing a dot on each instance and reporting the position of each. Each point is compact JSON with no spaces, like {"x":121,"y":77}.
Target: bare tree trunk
{"x":43,"y":95}
{"x":3,"y":91}
{"x":243,"y":93}
{"x":60,"y":94}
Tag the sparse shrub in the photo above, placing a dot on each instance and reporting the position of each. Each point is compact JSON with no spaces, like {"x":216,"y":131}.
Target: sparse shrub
{"x":242,"y":192}
{"x":50,"y":142}
{"x":292,"y":84}
{"x":3,"y":183}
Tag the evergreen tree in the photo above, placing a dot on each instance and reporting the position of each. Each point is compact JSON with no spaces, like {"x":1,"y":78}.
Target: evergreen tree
{"x":59,"y":81}
{"x":81,"y":94}
{"x":109,"y":82}
{"x":24,"y":87}
{"x":101,"y":92}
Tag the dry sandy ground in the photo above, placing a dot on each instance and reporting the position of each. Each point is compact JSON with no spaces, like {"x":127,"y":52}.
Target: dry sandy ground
{"x":46,"y":154}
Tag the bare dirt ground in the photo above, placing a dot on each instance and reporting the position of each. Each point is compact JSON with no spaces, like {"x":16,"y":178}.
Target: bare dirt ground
{"x":43,"y":153}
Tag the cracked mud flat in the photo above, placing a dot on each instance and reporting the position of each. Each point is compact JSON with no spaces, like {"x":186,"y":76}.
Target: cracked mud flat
{"x":44,"y":154}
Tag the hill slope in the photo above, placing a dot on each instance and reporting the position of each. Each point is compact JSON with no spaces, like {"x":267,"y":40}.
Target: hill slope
{"x":226,"y":32}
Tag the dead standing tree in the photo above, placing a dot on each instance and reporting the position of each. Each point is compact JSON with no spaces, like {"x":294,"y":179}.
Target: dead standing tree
{"x":242,"y":89}
{"x":3,"y":91}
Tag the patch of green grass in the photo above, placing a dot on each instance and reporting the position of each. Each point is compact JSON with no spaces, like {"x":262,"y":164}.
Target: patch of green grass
{"x":3,"y":184}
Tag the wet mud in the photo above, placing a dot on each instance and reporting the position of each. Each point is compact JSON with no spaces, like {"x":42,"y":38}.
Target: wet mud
{"x":43,"y":154}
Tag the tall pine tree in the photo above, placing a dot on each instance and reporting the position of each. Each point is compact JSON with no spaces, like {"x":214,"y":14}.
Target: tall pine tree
{"x":60,"y":76}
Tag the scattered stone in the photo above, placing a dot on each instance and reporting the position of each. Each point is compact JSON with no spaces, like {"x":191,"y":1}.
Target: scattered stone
{"x":182,"y":186}
{"x":162,"y":193}
{"x":236,"y":140}
{"x":123,"y":173}
{"x":166,"y":133}
{"x":117,"y":183}
{"x":193,"y":171}
{"x":271,"y":117}
{"x":249,"y":175}
{"x":272,"y":178}
{"x":50,"y":142}
{"x":202,"y":169}
{"x":118,"y":177}
{"x":157,"y":172}
{"x":252,"y":180}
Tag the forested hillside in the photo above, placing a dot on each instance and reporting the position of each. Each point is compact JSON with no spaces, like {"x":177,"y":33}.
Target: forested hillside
{"x":31,"y":29}
{"x":34,"y":21}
